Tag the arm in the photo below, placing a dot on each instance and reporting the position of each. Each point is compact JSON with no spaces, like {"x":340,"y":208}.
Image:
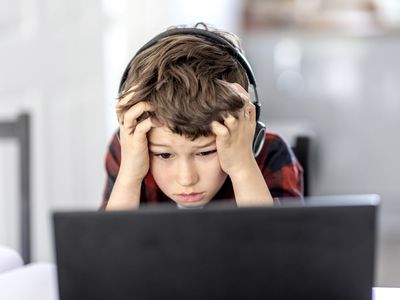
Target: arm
{"x":250,"y":187}
{"x":134,"y":166}
{"x":112,"y":162}
{"x":234,"y":146}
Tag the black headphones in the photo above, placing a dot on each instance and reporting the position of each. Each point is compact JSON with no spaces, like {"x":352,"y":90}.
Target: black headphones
{"x":259,"y":135}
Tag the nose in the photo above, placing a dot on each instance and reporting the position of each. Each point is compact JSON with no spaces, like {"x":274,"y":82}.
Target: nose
{"x":187,"y":174}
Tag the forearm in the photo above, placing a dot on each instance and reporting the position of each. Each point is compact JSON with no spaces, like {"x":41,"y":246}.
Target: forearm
{"x":125,"y":194}
{"x":250,"y":187}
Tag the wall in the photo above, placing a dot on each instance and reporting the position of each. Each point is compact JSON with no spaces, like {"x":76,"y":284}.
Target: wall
{"x":344,"y":90}
{"x":52,"y":67}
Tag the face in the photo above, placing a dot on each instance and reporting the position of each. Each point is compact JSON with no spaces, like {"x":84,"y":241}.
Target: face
{"x":188,"y":172}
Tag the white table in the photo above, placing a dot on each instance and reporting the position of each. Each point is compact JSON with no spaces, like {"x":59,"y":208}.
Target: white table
{"x":38,"y":281}
{"x":381,"y":293}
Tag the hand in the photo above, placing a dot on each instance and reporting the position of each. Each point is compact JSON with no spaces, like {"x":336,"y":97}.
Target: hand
{"x":234,"y":141}
{"x":133,"y":138}
{"x":234,"y":138}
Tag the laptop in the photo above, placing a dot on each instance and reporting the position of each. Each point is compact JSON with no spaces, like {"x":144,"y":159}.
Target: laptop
{"x":320,"y":249}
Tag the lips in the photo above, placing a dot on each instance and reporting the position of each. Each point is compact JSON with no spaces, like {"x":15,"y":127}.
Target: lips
{"x":192,"y":197}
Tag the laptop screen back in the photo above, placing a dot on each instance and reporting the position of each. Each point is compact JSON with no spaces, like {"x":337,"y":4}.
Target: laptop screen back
{"x":309,"y":251}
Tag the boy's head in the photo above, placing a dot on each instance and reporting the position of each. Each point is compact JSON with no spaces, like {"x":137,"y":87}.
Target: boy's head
{"x":185,"y":78}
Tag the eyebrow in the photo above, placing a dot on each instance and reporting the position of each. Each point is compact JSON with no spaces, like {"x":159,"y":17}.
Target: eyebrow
{"x":158,"y":145}
{"x":197,"y":147}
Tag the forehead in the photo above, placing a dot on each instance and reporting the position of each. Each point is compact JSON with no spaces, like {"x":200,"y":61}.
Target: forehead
{"x":164,"y":136}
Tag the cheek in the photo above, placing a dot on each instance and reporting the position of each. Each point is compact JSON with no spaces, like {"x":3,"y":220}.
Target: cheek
{"x":213,"y":173}
{"x":160,"y":173}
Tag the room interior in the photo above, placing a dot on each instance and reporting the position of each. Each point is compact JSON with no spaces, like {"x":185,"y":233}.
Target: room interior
{"x":327,"y":71}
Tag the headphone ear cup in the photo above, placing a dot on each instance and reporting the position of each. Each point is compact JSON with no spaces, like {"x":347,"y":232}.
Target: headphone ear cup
{"x":259,"y":138}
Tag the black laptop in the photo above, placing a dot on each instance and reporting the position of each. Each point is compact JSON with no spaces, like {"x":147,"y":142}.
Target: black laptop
{"x":320,"y":249}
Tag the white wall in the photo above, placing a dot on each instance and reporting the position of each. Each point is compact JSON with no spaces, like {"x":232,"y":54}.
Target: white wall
{"x":346,"y":89}
{"x":51,"y":60}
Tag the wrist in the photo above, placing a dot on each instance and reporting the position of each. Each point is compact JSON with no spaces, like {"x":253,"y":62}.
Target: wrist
{"x":250,"y":187}
{"x":245,"y":172}
{"x":129,"y":174}
{"x":128,"y":180}
{"x":125,"y":194}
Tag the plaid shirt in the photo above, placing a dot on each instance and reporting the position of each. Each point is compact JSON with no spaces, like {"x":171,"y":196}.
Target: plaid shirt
{"x":282,"y":172}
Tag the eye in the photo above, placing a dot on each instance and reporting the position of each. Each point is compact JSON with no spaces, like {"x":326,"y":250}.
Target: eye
{"x":206,"y":153}
{"x":163,"y":155}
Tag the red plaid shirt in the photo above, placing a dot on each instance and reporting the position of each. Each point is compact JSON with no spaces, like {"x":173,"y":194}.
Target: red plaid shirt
{"x":281,"y":170}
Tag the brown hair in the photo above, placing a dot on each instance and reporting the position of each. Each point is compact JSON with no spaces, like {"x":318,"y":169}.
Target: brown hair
{"x":185,"y":78}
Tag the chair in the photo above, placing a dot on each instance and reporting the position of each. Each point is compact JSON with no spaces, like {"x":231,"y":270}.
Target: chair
{"x":20,"y":130}
{"x":301,"y":149}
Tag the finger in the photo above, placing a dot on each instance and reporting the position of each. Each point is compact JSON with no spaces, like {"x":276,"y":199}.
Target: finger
{"x":130,"y":117}
{"x":130,"y":125}
{"x":220,"y":130}
{"x":239,"y":88}
{"x":126,"y":96}
{"x":241,"y":91}
{"x":252,"y":112}
{"x":143,"y":128}
{"x":231,"y":122}
{"x":247,"y":108}
{"x":120,"y":116}
{"x":246,"y":112}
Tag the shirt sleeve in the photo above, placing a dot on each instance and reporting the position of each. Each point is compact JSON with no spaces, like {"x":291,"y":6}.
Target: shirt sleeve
{"x":112,"y":163}
{"x":282,"y":171}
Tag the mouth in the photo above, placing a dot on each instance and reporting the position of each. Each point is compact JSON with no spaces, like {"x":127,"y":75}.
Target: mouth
{"x":191,"y":197}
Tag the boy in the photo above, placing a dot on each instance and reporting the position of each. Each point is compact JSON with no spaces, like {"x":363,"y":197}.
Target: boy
{"x":186,"y":128}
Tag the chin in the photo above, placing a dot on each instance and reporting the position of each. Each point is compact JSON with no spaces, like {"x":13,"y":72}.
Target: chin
{"x":199,"y":204}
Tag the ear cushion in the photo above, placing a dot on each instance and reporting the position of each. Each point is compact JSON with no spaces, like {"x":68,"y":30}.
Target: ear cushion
{"x":259,"y":138}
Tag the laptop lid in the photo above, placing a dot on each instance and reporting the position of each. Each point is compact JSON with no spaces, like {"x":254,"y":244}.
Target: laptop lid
{"x":322,"y":249}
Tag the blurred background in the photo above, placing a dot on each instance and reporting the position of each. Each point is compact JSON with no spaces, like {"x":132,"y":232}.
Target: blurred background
{"x":328,"y":70}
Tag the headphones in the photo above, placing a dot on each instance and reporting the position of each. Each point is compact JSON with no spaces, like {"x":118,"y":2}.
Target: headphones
{"x":259,"y":135}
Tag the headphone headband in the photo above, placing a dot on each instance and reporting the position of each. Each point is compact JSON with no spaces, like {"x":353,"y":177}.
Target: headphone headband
{"x":205,"y":34}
